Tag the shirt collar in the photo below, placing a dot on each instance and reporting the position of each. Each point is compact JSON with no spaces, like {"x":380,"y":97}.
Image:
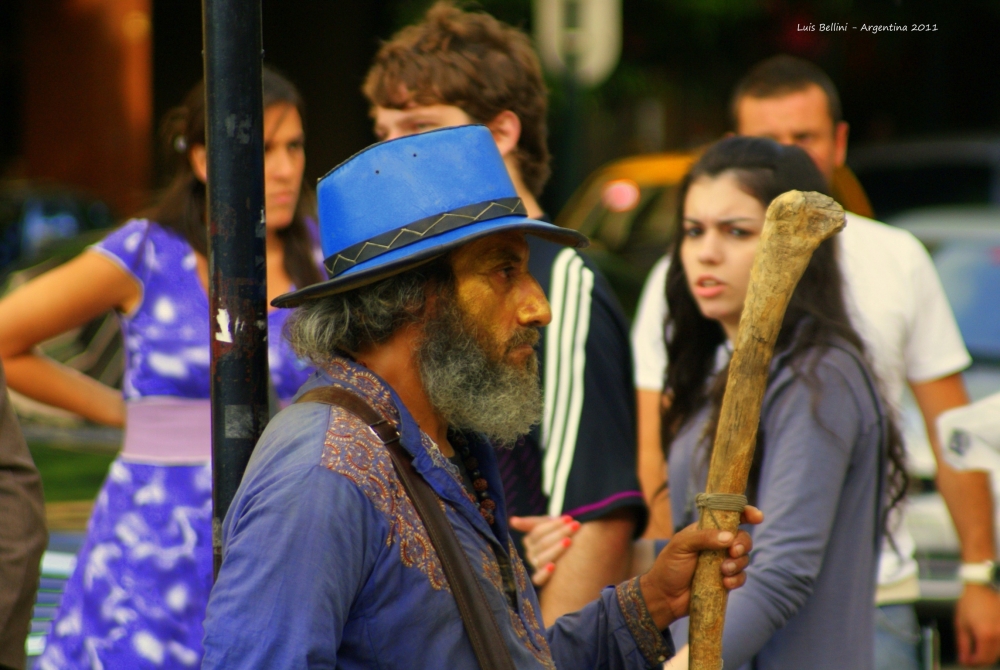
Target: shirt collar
{"x":427,"y":458}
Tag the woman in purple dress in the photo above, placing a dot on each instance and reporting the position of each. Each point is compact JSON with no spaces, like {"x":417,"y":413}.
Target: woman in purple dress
{"x":137,"y":596}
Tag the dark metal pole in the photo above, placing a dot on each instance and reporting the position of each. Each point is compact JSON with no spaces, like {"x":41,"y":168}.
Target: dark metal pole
{"x":236,"y":264}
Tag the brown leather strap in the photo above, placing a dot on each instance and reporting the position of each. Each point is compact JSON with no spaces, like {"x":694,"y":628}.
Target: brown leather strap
{"x":480,"y":625}
{"x":333,"y":395}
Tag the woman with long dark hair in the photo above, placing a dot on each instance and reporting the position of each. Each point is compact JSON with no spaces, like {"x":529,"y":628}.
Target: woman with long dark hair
{"x":828,"y":463}
{"x":138,"y":594}
{"x":829,"y":458}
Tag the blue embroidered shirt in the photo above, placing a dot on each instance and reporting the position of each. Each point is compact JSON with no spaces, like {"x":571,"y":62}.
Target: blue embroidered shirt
{"x":327,"y":565}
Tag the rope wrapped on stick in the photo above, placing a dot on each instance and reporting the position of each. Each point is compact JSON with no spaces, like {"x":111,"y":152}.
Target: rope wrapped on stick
{"x":728,"y":502}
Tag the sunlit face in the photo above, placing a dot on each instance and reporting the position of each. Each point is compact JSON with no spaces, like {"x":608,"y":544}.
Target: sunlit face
{"x":722,"y":226}
{"x":284,"y":163}
{"x":801,"y":118}
{"x":394,"y":123}
{"x":477,"y":359}
{"x":500,"y":298}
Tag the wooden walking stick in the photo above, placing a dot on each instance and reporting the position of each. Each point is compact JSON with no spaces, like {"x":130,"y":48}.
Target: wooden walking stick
{"x":796,"y":223}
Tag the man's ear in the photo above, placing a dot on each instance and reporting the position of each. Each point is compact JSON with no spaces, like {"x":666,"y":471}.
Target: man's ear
{"x":199,"y":162}
{"x":432,"y":300}
{"x":840,"y":143}
{"x":506,"y":129}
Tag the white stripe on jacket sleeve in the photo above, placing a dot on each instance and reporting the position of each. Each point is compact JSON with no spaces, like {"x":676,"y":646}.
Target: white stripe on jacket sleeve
{"x":570,"y":295}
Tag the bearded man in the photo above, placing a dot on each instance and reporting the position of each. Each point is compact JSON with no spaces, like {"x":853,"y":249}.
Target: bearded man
{"x":455,"y":67}
{"x":428,"y":322}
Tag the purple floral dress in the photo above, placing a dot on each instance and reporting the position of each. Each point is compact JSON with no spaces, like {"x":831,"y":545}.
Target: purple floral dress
{"x":138,"y":594}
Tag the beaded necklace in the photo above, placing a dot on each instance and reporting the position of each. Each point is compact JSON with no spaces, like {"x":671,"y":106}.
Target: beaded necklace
{"x":486,"y":504}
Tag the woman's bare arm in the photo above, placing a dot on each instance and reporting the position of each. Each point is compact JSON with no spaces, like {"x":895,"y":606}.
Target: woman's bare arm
{"x":64,"y":298}
{"x":652,"y":465}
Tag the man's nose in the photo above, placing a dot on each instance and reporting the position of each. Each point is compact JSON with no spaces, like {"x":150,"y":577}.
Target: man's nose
{"x":533,"y":309}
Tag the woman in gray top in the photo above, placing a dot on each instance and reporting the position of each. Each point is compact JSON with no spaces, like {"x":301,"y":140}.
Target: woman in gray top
{"x":828,"y":462}
{"x":828,"y":459}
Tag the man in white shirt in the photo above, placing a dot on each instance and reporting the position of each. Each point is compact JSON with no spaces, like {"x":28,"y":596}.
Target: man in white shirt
{"x":900,"y":309}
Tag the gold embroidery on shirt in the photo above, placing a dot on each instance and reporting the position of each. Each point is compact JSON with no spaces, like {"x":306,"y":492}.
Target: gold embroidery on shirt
{"x":492,"y":570}
{"x":441,"y":461}
{"x":348,"y":374}
{"x":534,"y":641}
{"x":523,"y":584}
{"x":352,"y":450}
{"x":648,"y":638}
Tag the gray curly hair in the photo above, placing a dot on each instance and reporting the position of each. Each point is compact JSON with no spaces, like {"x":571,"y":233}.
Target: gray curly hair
{"x":354,"y":320}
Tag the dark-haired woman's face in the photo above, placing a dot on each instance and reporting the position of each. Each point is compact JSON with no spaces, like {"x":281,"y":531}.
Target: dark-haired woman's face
{"x":722,"y":226}
{"x":284,"y":163}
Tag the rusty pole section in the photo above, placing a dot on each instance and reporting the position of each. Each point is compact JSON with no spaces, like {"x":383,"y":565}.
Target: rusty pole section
{"x":236,"y":265}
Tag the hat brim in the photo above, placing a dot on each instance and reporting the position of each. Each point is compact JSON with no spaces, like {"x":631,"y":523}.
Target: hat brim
{"x":418,"y":253}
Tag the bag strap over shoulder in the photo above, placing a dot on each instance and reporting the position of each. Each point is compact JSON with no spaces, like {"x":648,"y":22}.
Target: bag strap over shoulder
{"x":480,"y":624}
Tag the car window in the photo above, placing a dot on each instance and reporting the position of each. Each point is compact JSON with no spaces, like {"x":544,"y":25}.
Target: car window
{"x":629,"y":234}
{"x":644,"y":228}
{"x":970,"y":274}
{"x":895,"y":189}
{"x":654,"y":226}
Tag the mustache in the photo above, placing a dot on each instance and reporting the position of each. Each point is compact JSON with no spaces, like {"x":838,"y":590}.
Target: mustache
{"x":470,"y":383}
{"x":522,"y":336}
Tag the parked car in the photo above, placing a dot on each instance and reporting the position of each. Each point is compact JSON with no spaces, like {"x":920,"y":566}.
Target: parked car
{"x":964,"y":243}
{"x":929,"y":172}
{"x":628,"y":209}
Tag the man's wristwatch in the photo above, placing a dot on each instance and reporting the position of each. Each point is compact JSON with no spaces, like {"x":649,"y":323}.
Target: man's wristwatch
{"x":986,"y":573}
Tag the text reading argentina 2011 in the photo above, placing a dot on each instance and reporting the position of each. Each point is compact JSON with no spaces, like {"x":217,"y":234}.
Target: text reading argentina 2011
{"x":867,"y":27}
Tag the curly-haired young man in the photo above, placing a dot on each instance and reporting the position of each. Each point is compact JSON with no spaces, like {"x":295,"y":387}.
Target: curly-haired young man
{"x":456,"y":68}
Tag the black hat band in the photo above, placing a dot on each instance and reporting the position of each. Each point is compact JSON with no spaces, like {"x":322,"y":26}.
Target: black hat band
{"x":418,"y":230}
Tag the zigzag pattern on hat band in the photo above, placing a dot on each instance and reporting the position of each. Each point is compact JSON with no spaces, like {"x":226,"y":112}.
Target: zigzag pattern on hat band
{"x":418,"y":230}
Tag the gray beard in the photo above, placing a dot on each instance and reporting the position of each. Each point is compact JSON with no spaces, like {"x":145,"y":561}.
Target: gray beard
{"x":472,"y":391}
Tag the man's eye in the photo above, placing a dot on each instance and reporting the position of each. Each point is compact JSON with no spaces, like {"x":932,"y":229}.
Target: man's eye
{"x":424,"y":125}
{"x":297,"y":145}
{"x":693,"y":231}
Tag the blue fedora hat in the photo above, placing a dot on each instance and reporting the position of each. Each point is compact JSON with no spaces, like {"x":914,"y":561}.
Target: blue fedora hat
{"x":401,"y":203}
